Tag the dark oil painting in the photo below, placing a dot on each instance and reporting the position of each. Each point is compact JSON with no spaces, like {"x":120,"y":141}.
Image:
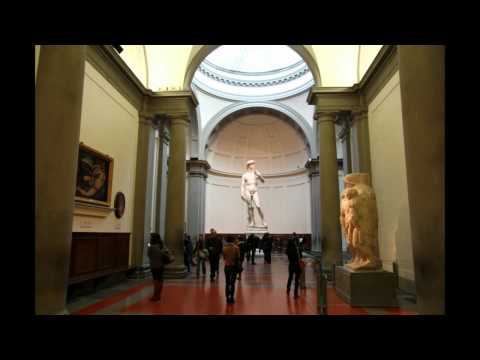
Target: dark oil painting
{"x":93,"y":176}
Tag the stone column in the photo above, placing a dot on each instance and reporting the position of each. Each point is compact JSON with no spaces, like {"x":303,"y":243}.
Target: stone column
{"x":422,"y":86}
{"x":329,"y":206}
{"x":197,"y":177}
{"x":58,"y":107}
{"x":361,"y":142}
{"x":143,"y":187}
{"x":175,"y":216}
{"x":344,"y":137}
{"x":161,"y":180}
{"x":313,"y":174}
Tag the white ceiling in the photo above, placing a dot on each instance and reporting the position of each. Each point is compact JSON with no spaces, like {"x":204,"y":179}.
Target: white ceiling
{"x":164,"y":67}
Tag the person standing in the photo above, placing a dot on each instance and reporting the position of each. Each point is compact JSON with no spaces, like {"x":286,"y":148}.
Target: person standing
{"x":293,"y":265}
{"x":214,"y":247}
{"x":231,"y":257}
{"x":200,"y":253}
{"x":158,"y":257}
{"x":267,"y":248}
{"x":248,"y":246}
{"x":254,"y":246}
{"x":241,"y":247}
{"x":187,"y":251}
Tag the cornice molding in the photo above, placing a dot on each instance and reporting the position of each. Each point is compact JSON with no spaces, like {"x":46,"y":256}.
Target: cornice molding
{"x":379,"y":73}
{"x":248,"y":73}
{"x":217,"y":172}
{"x":111,"y":66}
{"x":254,"y":83}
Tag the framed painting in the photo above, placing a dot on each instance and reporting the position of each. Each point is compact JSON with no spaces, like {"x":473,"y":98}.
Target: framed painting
{"x":94,"y":177}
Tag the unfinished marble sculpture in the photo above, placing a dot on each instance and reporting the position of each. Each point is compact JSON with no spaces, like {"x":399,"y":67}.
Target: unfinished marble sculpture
{"x":359,"y":220}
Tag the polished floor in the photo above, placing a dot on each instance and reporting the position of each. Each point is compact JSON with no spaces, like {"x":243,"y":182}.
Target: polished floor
{"x":261,"y":291}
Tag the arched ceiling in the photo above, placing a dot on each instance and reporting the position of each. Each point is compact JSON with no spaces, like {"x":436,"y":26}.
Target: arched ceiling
{"x":164,"y":67}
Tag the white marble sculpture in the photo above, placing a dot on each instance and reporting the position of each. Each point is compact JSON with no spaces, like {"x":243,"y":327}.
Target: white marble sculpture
{"x":249,"y":193}
{"x":359,"y":220}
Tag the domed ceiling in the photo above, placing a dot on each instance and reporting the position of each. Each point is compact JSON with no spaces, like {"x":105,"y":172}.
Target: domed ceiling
{"x":243,"y":72}
{"x":274,"y":143}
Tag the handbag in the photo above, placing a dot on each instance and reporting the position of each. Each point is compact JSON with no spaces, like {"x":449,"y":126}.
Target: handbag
{"x":167,"y":257}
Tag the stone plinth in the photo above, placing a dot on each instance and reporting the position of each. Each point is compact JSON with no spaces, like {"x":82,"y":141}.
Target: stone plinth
{"x":375,"y":288}
{"x":256,"y":230}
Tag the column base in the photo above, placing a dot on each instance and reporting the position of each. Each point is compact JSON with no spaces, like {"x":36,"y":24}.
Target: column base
{"x":175,"y":272}
{"x":140,"y":272}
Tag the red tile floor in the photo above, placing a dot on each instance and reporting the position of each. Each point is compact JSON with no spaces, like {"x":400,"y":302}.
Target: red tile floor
{"x":261,"y":291}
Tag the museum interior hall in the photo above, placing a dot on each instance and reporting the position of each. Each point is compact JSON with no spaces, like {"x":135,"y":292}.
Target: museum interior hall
{"x":239,"y":180}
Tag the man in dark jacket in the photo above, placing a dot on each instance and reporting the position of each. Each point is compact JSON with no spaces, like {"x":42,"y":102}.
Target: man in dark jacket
{"x":248,"y":246}
{"x":267,"y":248}
{"x":293,"y":254}
{"x":215,"y":248}
{"x":187,"y":251}
{"x":254,"y":245}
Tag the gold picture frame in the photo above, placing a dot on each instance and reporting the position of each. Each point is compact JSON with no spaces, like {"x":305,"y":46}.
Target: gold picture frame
{"x":94,"y":177}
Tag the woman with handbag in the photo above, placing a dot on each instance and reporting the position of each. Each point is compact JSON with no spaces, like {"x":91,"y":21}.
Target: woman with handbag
{"x":159,"y":257}
{"x":201,"y":254}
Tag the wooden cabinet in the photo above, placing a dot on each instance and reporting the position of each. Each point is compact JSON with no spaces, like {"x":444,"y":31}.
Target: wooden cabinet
{"x":98,"y":254}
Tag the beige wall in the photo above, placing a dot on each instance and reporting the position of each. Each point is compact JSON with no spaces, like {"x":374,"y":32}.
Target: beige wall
{"x":109,"y":124}
{"x":389,"y":178}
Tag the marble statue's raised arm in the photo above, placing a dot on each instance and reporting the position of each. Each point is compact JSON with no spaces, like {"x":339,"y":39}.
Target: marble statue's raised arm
{"x":262,"y":179}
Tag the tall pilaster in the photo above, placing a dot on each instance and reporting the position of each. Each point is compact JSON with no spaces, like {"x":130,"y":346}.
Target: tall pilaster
{"x":197,"y":178}
{"x":361,"y":142}
{"x":58,"y":107}
{"x":329,"y":206}
{"x":175,"y":216}
{"x":143,"y":192}
{"x":313,"y":174}
{"x":422,"y":85}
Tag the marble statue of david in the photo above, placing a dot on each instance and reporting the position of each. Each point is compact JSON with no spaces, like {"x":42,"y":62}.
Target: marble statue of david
{"x":249,"y":193}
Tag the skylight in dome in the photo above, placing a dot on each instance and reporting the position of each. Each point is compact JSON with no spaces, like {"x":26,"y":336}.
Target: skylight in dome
{"x":253,"y":58}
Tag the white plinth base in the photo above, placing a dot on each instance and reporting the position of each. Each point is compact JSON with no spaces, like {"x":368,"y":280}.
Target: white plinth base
{"x":256,"y":230}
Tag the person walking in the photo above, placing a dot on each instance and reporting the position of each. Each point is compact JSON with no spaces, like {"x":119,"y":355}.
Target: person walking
{"x":187,"y":251}
{"x":214,"y":247}
{"x":267,"y":248}
{"x":293,"y":265}
{"x":231,"y":257}
{"x":159,"y":257}
{"x":201,"y":254}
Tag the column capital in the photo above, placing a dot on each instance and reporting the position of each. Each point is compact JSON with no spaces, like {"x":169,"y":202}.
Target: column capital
{"x":359,"y":114}
{"x":145,"y":118}
{"x":179,"y":119}
{"x":312,"y":167}
{"x":197,"y":167}
{"x":322,"y":116}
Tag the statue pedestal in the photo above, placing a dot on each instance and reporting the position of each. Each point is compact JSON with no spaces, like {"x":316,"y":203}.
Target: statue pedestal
{"x":374,"y":288}
{"x":256,"y":230}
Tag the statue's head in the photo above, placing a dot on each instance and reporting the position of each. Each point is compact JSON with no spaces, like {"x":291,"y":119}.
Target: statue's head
{"x":251,"y":165}
{"x":351,"y":180}
{"x":350,"y":193}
